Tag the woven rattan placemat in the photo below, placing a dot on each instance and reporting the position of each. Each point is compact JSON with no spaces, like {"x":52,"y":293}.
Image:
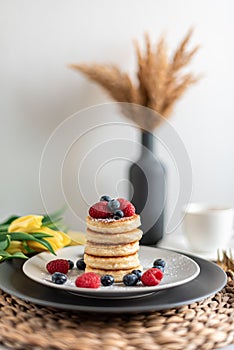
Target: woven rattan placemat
{"x":204,"y":325}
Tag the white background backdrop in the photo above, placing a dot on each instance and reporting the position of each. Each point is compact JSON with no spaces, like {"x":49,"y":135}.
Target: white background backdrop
{"x":37,"y":90}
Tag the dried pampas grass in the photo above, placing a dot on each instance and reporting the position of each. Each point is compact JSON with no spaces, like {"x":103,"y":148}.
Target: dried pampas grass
{"x":161,"y":80}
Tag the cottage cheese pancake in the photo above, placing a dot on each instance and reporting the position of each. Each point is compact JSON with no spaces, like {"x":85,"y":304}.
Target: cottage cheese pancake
{"x":107,"y":249}
{"x":112,"y":263}
{"x":112,"y":238}
{"x":117,"y":274}
{"x":110,"y":225}
{"x":117,"y":238}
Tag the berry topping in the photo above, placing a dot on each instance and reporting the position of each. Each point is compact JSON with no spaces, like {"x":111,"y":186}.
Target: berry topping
{"x":138,"y":273}
{"x":107,"y":280}
{"x":58,"y":265}
{"x":105,"y":199}
{"x":159,"y":262}
{"x":130,"y":279}
{"x":100,"y":210}
{"x":118,"y":214}
{"x":59,"y":278}
{"x":88,"y":280}
{"x":113,"y":205}
{"x":152,"y":277}
{"x":111,"y":208}
{"x":71,"y":264}
{"x":80,"y":264}
{"x":127,"y":208}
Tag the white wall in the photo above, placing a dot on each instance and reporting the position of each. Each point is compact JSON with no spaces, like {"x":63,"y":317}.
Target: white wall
{"x":38,"y":92}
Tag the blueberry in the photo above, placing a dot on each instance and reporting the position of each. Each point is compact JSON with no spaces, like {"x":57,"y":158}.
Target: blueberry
{"x":59,"y":278}
{"x":71,"y":264}
{"x":159,"y":262}
{"x":119,"y":214}
{"x":80,"y":264}
{"x":138,"y":273}
{"x":107,"y":280}
{"x":113,"y":205}
{"x":105,"y":199}
{"x":130,"y":279}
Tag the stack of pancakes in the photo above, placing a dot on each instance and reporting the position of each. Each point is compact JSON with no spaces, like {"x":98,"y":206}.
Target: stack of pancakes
{"x":112,"y":246}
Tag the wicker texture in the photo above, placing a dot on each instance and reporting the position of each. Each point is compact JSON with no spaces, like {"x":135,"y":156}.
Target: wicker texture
{"x":204,"y":325}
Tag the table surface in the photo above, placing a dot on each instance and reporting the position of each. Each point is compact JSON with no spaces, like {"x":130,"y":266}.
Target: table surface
{"x":230,"y":347}
{"x":177,"y":241}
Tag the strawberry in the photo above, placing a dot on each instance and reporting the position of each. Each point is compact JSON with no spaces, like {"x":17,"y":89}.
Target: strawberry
{"x":58,"y":265}
{"x":152,"y":277}
{"x":100,"y":210}
{"x":127,"y":208}
{"x":88,"y":280}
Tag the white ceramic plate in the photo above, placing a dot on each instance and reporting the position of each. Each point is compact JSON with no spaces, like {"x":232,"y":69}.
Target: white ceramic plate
{"x":179,"y":269}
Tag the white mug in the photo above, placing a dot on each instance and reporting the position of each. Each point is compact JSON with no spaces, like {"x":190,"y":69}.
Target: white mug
{"x":207,"y":227}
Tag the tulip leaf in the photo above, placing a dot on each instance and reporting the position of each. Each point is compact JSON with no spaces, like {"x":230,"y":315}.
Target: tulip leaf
{"x":19,"y":255}
{"x":41,"y":235}
{"x":4,"y":228}
{"x":9,"y":220}
{"x":3,"y":233}
{"x":55,"y":216}
{"x":57,"y":226}
{"x":4,"y":253}
{"x":49,"y":221}
{"x":47,"y":245}
{"x":4,"y":241}
{"x":6,"y":256}
{"x":22,"y":236}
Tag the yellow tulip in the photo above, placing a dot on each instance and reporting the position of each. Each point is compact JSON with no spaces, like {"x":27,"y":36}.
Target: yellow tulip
{"x":26,"y":224}
{"x":66,"y":239}
{"x":16,"y":246}
{"x":59,"y":239}
{"x":33,"y":224}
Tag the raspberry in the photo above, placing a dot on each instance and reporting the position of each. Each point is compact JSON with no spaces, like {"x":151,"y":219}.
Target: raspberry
{"x":100,"y":210}
{"x":127,"y":208}
{"x":88,"y":280}
{"x":58,"y":265}
{"x":152,"y":277}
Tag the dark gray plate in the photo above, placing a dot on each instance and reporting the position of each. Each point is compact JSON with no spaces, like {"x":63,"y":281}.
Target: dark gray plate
{"x":210,"y":280}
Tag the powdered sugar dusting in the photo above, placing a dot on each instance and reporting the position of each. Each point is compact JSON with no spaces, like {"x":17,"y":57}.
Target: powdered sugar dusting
{"x":106,"y":220}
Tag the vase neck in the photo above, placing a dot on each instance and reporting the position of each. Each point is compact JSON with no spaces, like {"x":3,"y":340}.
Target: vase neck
{"x":147,"y":140}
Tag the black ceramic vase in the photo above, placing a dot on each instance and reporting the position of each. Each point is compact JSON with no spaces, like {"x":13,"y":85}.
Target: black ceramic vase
{"x":147,"y":177}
